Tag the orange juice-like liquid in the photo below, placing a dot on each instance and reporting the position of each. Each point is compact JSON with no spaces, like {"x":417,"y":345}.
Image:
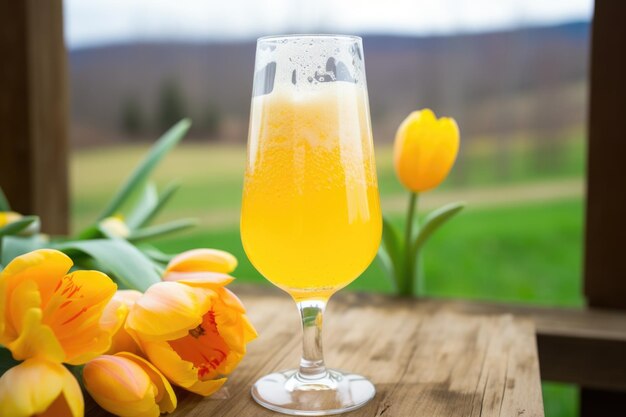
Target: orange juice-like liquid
{"x":311,"y":220}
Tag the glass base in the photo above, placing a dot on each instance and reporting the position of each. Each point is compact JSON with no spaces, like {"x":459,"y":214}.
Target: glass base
{"x":335,"y":392}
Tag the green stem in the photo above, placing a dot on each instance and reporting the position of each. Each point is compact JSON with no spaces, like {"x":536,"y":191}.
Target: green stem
{"x":408,"y":280}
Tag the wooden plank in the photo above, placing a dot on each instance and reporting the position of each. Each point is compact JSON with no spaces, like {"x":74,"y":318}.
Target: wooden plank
{"x":578,"y":346}
{"x":423,"y":358}
{"x":34,"y":110}
{"x":584,"y":347}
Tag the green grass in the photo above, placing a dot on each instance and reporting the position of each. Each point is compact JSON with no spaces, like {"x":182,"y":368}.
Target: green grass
{"x":212,"y":175}
{"x":528,"y":254}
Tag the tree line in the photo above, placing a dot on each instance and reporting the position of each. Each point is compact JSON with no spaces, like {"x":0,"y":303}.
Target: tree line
{"x":172,"y":106}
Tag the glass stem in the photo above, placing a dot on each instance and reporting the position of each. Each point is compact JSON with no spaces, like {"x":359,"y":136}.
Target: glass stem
{"x":312,"y":362}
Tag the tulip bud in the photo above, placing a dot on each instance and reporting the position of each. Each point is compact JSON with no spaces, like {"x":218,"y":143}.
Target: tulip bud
{"x":127,"y":385}
{"x":114,"y":227}
{"x":7,"y":217}
{"x":425,"y":150}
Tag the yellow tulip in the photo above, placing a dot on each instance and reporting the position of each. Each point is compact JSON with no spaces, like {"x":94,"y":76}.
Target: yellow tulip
{"x":193,"y":330}
{"x":37,"y":387}
{"x":127,"y":385}
{"x":425,"y":150}
{"x":114,"y":317}
{"x":115,"y":226}
{"x":200,"y":260}
{"x":49,"y":313}
{"x":7,"y":217}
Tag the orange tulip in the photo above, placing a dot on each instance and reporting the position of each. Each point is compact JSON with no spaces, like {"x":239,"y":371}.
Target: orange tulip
{"x":127,"y":385}
{"x":425,"y":150}
{"x":49,"y":313}
{"x":114,"y":317}
{"x":37,"y":387}
{"x":193,"y":330}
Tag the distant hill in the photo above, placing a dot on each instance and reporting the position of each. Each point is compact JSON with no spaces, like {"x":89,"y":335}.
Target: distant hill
{"x":492,"y":83}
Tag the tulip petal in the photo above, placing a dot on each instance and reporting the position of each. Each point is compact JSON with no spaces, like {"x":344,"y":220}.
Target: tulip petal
{"x":211,"y":280}
{"x":249,"y":332}
{"x":178,"y":371}
{"x":231,"y":300}
{"x":36,"y":340}
{"x":206,"y":388}
{"x":74,"y":311}
{"x":203,"y":260}
{"x":25,"y":296}
{"x":229,"y":328}
{"x":113,"y":319}
{"x":44,"y":266}
{"x":168,"y":310}
{"x":73,"y":395}
{"x":39,"y":387}
{"x":166,"y":398}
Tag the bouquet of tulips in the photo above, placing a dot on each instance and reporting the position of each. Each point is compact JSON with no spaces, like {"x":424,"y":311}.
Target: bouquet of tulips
{"x":106,"y":312}
{"x":425,"y":149}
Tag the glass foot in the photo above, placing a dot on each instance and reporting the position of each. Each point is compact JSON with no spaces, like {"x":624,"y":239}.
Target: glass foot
{"x":289,"y":393}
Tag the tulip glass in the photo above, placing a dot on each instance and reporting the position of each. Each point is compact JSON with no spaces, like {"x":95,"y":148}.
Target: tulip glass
{"x":310,"y":220}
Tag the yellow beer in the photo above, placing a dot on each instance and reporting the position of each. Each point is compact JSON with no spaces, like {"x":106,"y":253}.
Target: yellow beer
{"x":311,"y":220}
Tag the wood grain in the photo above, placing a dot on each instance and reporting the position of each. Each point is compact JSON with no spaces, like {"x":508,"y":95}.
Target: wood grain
{"x":586,"y":346}
{"x":424,"y":358}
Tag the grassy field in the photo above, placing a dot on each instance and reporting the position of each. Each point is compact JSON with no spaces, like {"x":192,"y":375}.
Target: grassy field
{"x":509,"y":245}
{"x":484,"y":254}
{"x":212,"y":175}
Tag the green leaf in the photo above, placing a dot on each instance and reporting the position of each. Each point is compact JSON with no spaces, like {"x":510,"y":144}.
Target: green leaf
{"x":4,"y":203}
{"x":161,"y":229}
{"x":6,"y":360}
{"x":17,"y":226}
{"x":145,"y":168}
{"x":155,"y":254}
{"x":77,"y":371}
{"x":91,"y":232}
{"x":391,"y":245}
{"x":128,"y":265}
{"x":433,"y":221}
{"x":145,"y":204}
{"x":164,"y":197}
{"x":385,"y":261}
{"x":14,"y":246}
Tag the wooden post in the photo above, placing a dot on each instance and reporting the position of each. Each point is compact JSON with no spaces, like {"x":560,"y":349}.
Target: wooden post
{"x":34,"y":110}
{"x":605,"y":266}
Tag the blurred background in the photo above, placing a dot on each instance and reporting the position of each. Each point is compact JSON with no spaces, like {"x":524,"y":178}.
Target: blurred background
{"x":513,"y":73}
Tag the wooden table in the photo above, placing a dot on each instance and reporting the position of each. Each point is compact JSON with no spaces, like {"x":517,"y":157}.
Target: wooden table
{"x":424,"y":358}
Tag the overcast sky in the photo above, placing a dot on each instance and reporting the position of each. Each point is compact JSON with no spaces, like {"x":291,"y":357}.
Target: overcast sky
{"x":95,"y":22}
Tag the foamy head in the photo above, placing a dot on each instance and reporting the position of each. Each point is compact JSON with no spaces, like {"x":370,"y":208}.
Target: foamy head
{"x":304,"y":62}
